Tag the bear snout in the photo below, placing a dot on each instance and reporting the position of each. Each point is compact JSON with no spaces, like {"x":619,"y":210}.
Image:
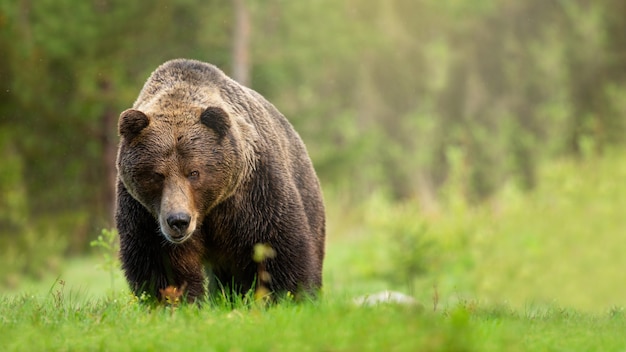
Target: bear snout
{"x":177,"y":214}
{"x":177,"y":226}
{"x":179,"y":222}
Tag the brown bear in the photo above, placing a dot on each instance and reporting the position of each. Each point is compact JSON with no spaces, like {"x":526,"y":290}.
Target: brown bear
{"x":207,"y":169}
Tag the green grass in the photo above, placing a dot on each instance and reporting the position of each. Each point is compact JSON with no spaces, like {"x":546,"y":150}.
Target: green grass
{"x":59,"y":321}
{"x":539,"y":271}
{"x":121,"y":324}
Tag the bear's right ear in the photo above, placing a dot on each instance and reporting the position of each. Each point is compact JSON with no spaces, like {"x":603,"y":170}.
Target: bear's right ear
{"x":131,"y":123}
{"x":216,"y":119}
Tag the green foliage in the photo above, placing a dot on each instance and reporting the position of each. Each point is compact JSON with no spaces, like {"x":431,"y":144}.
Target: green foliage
{"x":562,"y":241}
{"x":506,"y":83}
{"x":559,"y":243}
{"x":404,"y":252}
{"x":27,"y":248}
{"x":108,"y":244}
{"x":35,"y":253}
{"x":13,"y":201}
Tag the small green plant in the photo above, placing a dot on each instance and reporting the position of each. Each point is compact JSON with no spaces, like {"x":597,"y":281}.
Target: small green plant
{"x":407,"y":252}
{"x":108,"y":243}
{"x":261,"y":253}
{"x":410,"y":252}
{"x":57,"y":296}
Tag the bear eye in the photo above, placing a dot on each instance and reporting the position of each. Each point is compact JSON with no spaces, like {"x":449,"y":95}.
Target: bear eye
{"x":194,"y":175}
{"x":150,"y":178}
{"x":157,"y":177}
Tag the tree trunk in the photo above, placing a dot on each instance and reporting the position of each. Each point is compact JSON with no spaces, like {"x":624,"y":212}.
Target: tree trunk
{"x":241,"y":43}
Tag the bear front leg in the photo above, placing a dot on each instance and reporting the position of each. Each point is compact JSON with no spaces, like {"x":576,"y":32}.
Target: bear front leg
{"x":185,"y":268}
{"x":295,"y":268}
{"x":150,"y":264}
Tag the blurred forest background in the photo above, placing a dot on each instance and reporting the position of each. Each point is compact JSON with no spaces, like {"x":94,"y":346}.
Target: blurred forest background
{"x":425,"y":104}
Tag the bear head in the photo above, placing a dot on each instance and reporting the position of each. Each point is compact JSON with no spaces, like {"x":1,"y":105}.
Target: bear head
{"x":180,"y":163}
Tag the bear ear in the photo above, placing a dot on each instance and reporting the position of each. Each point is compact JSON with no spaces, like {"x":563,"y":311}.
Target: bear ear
{"x":131,"y":123}
{"x":216,"y":119}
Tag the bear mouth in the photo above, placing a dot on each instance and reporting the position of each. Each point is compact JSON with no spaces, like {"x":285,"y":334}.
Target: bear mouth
{"x":176,"y":239}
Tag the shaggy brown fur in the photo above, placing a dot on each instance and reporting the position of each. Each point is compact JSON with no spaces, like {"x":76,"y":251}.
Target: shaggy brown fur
{"x":208,"y":168}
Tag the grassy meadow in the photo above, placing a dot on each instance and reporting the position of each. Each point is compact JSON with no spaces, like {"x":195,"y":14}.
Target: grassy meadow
{"x":522,"y":272}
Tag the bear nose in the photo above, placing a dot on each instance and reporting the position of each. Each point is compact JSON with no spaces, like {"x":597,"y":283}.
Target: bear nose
{"x":179,"y":221}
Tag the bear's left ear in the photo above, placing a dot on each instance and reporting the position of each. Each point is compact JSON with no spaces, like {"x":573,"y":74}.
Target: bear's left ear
{"x":131,"y":123}
{"x":216,"y":119}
